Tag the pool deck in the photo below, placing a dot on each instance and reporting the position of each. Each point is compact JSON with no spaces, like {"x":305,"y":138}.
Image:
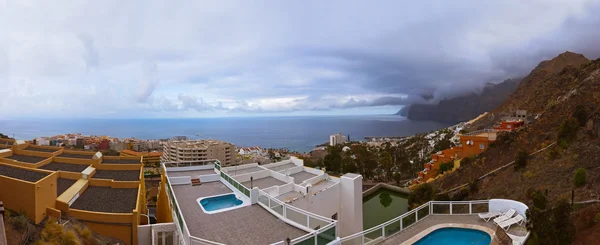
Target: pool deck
{"x":264,"y":182}
{"x":193,"y":173}
{"x":282,"y":167}
{"x":247,"y":225}
{"x":433,"y":220}
{"x":302,"y":176}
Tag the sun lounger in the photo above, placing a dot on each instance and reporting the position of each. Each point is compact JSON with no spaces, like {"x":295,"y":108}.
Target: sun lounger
{"x":488,"y":216}
{"x":505,"y":216}
{"x":509,"y":222}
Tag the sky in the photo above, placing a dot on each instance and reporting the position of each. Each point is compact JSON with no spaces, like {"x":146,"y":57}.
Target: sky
{"x":172,"y":59}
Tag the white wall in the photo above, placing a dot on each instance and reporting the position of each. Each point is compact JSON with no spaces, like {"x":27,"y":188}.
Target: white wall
{"x":297,"y":161}
{"x":351,"y":214}
{"x":316,"y":179}
{"x":239,"y":167}
{"x":325,"y":203}
{"x":503,"y":205}
{"x":190,"y":168}
{"x":144,"y":234}
{"x":313,"y":171}
{"x":209,"y":178}
{"x":255,"y":175}
{"x":281,"y":177}
{"x":293,"y":170}
{"x":275,"y":164}
{"x":183,"y":180}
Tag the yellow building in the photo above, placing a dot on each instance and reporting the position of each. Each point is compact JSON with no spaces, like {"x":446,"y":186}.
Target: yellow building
{"x":105,"y":193}
{"x":150,"y":159}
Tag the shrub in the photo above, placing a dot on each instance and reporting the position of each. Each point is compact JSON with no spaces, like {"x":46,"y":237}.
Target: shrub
{"x":521,"y":159}
{"x":19,"y":221}
{"x":474,"y":186}
{"x":579,"y":177}
{"x":567,"y":131}
{"x":597,"y":218}
{"x":53,"y":233}
{"x":539,"y":200}
{"x":447,"y":166}
{"x":581,"y":115}
{"x":421,"y":194}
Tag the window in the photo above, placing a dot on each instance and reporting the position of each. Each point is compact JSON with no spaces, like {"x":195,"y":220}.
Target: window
{"x":482,"y":146}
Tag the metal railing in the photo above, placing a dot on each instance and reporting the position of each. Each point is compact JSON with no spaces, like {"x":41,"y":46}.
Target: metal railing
{"x":183,"y":233}
{"x":233,"y":182}
{"x":323,"y":230}
{"x":381,"y":232}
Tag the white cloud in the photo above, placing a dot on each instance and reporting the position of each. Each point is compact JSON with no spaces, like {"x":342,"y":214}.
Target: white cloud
{"x":206,"y":58}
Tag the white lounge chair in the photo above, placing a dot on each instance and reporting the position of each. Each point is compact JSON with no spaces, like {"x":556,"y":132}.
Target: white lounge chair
{"x":505,"y":216}
{"x":509,"y":222}
{"x":488,"y":216}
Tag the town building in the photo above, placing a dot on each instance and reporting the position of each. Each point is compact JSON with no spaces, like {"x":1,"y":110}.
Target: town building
{"x":198,"y":150}
{"x":150,"y":159}
{"x":117,"y":146}
{"x":336,"y":139}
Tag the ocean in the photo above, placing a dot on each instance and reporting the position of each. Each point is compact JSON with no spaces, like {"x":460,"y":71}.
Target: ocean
{"x":299,"y":133}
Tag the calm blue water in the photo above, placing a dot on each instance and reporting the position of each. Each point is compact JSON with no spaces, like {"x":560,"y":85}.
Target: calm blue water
{"x":296,"y":133}
{"x":220,"y":202}
{"x":455,"y":236}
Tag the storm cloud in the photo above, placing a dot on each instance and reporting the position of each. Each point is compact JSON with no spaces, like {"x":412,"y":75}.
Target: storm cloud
{"x":231,"y":58}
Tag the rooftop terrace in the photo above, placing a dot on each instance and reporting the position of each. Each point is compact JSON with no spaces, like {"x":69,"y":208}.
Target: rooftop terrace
{"x":106,"y":199}
{"x":235,"y":171}
{"x":246,"y":225}
{"x":57,"y":166}
{"x":21,"y":173}
{"x":40,"y":149}
{"x":282,"y":167}
{"x":68,"y":155}
{"x":26,"y":159}
{"x":302,"y":176}
{"x":63,"y":184}
{"x":264,"y":182}
{"x":120,"y":161}
{"x":118,"y":175}
{"x":190,"y":173}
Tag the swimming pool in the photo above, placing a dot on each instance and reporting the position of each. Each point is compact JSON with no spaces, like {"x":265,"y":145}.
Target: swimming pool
{"x":455,"y":236}
{"x":211,"y":204}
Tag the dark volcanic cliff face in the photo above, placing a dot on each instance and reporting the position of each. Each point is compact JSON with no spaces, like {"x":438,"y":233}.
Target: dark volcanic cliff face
{"x":462,"y":108}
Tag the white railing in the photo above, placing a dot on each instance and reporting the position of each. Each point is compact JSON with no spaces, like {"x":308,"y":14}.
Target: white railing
{"x":189,"y":163}
{"x":379,"y":233}
{"x":185,"y":238}
{"x":321,"y":230}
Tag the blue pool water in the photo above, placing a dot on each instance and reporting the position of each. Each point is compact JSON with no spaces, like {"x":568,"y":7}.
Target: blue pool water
{"x":456,"y":236}
{"x":220,"y":202}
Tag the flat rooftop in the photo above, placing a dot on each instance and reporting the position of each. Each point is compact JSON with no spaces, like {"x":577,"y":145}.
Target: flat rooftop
{"x":190,"y":173}
{"x":63,"y":184}
{"x":264,"y":182}
{"x":302,"y":176}
{"x":118,"y":175}
{"x":234,"y":171}
{"x":40,"y":149}
{"x":80,"y":156}
{"x":247,"y":225}
{"x":26,"y":159}
{"x":322,"y":186}
{"x":289,"y":196}
{"x":282,"y":167}
{"x":22,"y":174}
{"x":57,"y":166}
{"x":106,"y":199}
{"x":121,"y":161}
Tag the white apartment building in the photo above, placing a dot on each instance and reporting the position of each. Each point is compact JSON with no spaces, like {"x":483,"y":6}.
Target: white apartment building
{"x":197,"y":150}
{"x":336,"y":139}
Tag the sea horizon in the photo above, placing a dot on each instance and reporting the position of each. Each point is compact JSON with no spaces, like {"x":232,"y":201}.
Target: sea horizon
{"x":297,"y":133}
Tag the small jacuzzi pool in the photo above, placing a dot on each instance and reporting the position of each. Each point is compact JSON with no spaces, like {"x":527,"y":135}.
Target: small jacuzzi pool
{"x":455,"y":236}
{"x":212,"y":204}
